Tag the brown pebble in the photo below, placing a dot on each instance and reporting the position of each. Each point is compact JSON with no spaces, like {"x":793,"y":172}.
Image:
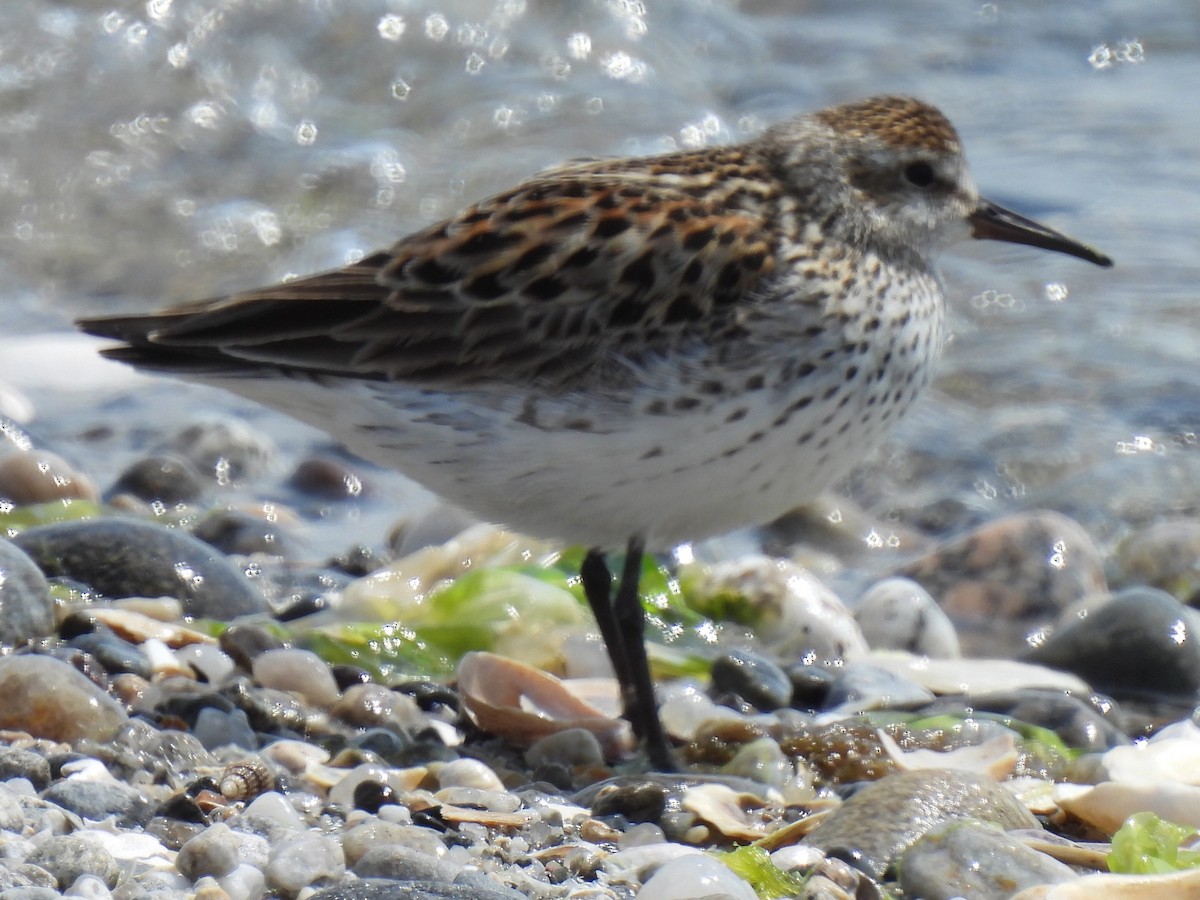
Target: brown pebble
{"x":38,"y":476}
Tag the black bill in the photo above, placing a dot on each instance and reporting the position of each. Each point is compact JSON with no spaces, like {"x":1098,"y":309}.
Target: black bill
{"x":993,"y":222}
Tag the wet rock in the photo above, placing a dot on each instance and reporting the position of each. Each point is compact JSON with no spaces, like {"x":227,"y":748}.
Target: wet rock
{"x":899,"y":614}
{"x":971,"y":859}
{"x":244,"y":641}
{"x":398,"y":863}
{"x":1026,"y":567}
{"x":696,"y":875}
{"x":16,"y":763}
{"x":303,"y":858}
{"x":325,"y":478}
{"x":114,"y":654}
{"x":37,"y":476}
{"x":68,"y":857}
{"x":49,"y":698}
{"x":297,"y":670}
{"x":752,"y":677}
{"x":234,"y":531}
{"x":97,"y":800}
{"x":886,"y":817}
{"x":128,"y":558}
{"x":1165,"y":555}
{"x":213,"y":851}
{"x":791,"y":611}
{"x":26,"y":608}
{"x":379,"y":889}
{"x":1142,"y":642}
{"x":573,"y":748}
{"x":167,"y":479}
{"x":227,"y":449}
{"x":862,"y":685}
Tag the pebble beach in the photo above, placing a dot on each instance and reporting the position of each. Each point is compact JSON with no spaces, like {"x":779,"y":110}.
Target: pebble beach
{"x":238,"y":662}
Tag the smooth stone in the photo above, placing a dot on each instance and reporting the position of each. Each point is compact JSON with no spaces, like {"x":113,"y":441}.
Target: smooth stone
{"x":791,"y":611}
{"x":972,"y":859}
{"x":1164,"y":555}
{"x":696,"y":875}
{"x":754,"y":678}
{"x":1025,"y":567}
{"x":399,"y":864}
{"x":12,"y":815}
{"x":167,"y":479}
{"x":358,"y":841}
{"x":378,"y":889}
{"x":214,"y":852}
{"x":26,"y":764}
{"x":50,"y":699}
{"x":234,"y":531}
{"x":218,"y":728}
{"x":26,"y":608}
{"x":67,"y":857}
{"x":114,"y":654}
{"x":1080,"y":723}
{"x":863,"y":685}
{"x":899,"y":614}
{"x":88,"y":887}
{"x":469,"y":773}
{"x":38,"y":476}
{"x":300,"y":671}
{"x":243,"y":641}
{"x":32,"y":892}
{"x":227,"y":449}
{"x":573,"y":748}
{"x":128,"y":558}
{"x":1140,"y":643}
{"x":97,"y":800}
{"x":886,"y":817}
{"x":325,"y":478}
{"x":300,"y":859}
{"x":245,"y":882}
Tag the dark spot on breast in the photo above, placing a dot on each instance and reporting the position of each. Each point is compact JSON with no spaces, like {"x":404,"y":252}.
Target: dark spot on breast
{"x":711,"y":386}
{"x":756,"y":437}
{"x":568,"y":222}
{"x":731,"y":274}
{"x":727,"y":237}
{"x":696,"y":240}
{"x":805,"y":369}
{"x":539,"y":253}
{"x":679,"y":214}
{"x":737,"y":415}
{"x":691,"y":274}
{"x":640,"y":272}
{"x":754,"y":383}
{"x":547,"y":288}
{"x":471,"y":218}
{"x":582,"y":257}
{"x":629,"y":311}
{"x":608,"y":201}
{"x":656,"y":408}
{"x":485,"y":287}
{"x":578,"y":424}
{"x":684,"y":404}
{"x":683,"y":309}
{"x":851,"y":373}
{"x":804,"y":438}
{"x":752,"y":262}
{"x":732,"y":451}
{"x":573,"y":189}
{"x":488,"y":242}
{"x":611,"y":226}
{"x":433,"y":272}
{"x":652,"y":453}
{"x":525,"y":211}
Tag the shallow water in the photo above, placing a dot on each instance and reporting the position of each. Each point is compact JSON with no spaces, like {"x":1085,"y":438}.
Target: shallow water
{"x":170,"y":150}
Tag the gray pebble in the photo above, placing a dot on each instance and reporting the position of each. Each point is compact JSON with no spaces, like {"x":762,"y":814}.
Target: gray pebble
{"x":972,"y":859}
{"x":97,"y":800}
{"x":416,"y":890}
{"x":574,"y":747}
{"x":754,"y":678}
{"x":215,"y":728}
{"x":12,"y":816}
{"x":26,"y":610}
{"x":48,"y":698}
{"x":881,"y":821}
{"x":302,"y":858}
{"x":29,"y":893}
{"x":165,"y":478}
{"x":68,"y":857}
{"x":24,"y":764}
{"x":127,"y":558}
{"x":1141,"y":642}
{"x":399,"y":864}
{"x":899,"y":614}
{"x":213,"y":851}
{"x":864,"y":685}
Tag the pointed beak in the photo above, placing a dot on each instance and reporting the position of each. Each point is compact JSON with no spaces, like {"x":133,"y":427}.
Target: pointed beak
{"x":990,"y":221}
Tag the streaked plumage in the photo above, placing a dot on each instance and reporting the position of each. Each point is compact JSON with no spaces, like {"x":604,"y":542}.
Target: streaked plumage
{"x":668,"y":347}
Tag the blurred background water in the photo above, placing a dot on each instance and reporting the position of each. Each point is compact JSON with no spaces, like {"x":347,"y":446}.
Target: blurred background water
{"x":164,"y":151}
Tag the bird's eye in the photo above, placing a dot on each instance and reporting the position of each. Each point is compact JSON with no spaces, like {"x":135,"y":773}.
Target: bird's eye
{"x":919,"y":174}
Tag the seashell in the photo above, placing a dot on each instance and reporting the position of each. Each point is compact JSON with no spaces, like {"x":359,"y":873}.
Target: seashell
{"x":725,"y":810}
{"x":245,"y":779}
{"x":1106,"y":806}
{"x":522,"y":704}
{"x":996,"y":757}
{"x":138,"y":628}
{"x":1178,"y":885}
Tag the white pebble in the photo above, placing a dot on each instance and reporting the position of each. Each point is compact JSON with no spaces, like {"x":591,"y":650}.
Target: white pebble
{"x":299,"y":671}
{"x":246,"y":882}
{"x":300,"y":859}
{"x":469,"y":773}
{"x":696,"y":876}
{"x":274,"y":806}
{"x":89,"y":887}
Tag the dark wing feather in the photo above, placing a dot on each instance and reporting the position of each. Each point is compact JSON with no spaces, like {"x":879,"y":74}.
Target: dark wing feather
{"x":539,"y":283}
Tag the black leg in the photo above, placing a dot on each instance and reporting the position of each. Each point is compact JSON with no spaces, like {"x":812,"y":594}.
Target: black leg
{"x":621,"y":621}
